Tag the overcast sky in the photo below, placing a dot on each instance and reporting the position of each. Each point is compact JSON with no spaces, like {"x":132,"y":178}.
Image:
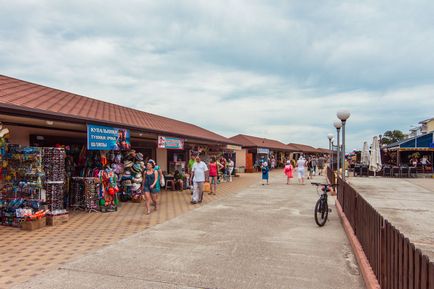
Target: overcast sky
{"x":275,"y":69}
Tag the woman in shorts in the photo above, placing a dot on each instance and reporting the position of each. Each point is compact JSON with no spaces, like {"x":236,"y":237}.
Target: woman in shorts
{"x":150,"y":180}
{"x":214,"y":168}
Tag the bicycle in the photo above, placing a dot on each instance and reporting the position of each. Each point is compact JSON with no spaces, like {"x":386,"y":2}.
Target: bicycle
{"x":322,"y":210}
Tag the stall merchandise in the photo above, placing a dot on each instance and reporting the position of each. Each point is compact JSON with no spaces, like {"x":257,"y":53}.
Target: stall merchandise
{"x":21,"y":183}
{"x":131,"y":176}
{"x":54,"y":167}
{"x":76,"y":198}
{"x":91,"y":197}
{"x":103,"y":177}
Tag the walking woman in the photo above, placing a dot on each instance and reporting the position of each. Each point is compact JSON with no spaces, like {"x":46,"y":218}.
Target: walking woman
{"x":214,"y":168}
{"x":155,"y":193}
{"x":149,"y":184}
{"x":288,"y":171}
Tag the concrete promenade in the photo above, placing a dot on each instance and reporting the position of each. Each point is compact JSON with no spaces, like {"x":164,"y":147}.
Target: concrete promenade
{"x":261,"y":237}
{"x":407,"y":203}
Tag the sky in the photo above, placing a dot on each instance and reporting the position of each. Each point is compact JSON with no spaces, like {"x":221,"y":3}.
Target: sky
{"x":273,"y":69}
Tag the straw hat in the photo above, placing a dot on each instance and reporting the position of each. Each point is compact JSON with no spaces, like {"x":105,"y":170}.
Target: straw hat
{"x":139,"y":156}
{"x":128,"y":164}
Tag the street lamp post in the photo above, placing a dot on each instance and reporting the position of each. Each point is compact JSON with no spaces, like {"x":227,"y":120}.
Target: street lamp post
{"x":343,"y":115}
{"x":330,"y":137}
{"x":338,"y":125}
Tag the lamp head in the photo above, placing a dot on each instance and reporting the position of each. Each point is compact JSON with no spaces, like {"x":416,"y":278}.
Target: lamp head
{"x":330,"y":136}
{"x":337,"y":124}
{"x":343,"y":114}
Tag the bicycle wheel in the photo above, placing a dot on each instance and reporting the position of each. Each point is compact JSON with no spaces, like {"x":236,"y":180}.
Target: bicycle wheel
{"x":321,"y":212}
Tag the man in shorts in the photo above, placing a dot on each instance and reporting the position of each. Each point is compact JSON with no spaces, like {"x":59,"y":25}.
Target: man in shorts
{"x":198,"y":172}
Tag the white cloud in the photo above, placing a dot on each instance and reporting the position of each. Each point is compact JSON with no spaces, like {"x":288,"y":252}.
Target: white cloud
{"x":278,"y":70}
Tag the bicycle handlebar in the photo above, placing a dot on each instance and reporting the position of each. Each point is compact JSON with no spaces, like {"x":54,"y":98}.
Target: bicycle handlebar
{"x":319,"y":184}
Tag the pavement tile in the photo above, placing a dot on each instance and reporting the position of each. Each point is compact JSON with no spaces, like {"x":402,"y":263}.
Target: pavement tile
{"x":259,"y":238}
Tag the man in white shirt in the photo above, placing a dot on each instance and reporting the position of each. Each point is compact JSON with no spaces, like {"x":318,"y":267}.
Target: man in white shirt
{"x":199,"y":171}
{"x":300,"y":169}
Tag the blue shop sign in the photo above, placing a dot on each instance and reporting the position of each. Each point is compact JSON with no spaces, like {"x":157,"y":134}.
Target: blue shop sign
{"x":263,"y":151}
{"x":107,"y":138}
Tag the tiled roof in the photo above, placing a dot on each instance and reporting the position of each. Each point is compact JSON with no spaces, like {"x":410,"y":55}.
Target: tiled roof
{"x":303,"y":148}
{"x":323,"y":150}
{"x":253,"y":141}
{"x":23,"y":96}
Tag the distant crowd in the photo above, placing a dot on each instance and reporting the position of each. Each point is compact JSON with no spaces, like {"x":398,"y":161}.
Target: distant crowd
{"x":308,"y":166}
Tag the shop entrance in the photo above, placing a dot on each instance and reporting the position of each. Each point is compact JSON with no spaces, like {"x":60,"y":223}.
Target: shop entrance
{"x":176,"y":161}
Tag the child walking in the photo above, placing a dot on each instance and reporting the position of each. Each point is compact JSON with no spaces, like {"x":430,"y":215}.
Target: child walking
{"x":288,"y":171}
{"x":265,"y":170}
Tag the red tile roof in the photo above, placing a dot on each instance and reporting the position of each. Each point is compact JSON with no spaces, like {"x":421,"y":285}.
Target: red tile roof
{"x":253,"y":141}
{"x":304,"y":148}
{"x":323,"y":150}
{"x":23,"y":96}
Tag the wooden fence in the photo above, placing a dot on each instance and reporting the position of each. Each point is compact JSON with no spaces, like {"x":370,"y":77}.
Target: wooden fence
{"x":395,"y":261}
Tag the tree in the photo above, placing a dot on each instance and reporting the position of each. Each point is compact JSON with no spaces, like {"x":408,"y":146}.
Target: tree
{"x":393,"y":136}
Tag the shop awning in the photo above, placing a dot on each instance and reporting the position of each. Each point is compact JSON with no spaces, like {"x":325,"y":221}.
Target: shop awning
{"x":423,"y":142}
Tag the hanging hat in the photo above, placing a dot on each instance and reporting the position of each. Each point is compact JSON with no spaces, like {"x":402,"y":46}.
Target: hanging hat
{"x":137,"y":168}
{"x":139,"y":156}
{"x":118,"y":158}
{"x":4,"y":132}
{"x":138,"y":178}
{"x":128,"y":164}
{"x":126,"y":183}
{"x":136,"y":187}
{"x":127,"y":173}
{"x":142,"y":164}
{"x":131,"y":154}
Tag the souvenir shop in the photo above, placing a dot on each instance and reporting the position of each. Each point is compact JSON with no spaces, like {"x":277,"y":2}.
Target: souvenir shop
{"x":42,"y":182}
{"x":179,"y":153}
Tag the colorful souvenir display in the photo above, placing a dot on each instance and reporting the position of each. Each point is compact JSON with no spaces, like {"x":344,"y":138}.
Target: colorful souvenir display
{"x":108,"y":188}
{"x":132,"y":177}
{"x":21,"y":183}
{"x":54,"y":167}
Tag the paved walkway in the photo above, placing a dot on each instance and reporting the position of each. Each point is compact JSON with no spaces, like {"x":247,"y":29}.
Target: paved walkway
{"x":262,"y":237}
{"x":407,"y":203}
{"x":24,"y":255}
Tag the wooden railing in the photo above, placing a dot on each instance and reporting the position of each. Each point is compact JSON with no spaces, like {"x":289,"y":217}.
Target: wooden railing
{"x":394,"y":259}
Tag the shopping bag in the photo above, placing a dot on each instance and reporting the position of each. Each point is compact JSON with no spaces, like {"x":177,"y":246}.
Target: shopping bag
{"x":206,"y":187}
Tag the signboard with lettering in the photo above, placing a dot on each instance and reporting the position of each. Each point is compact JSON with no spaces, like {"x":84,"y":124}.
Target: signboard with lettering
{"x":166,"y":142}
{"x":106,"y":138}
{"x":233,"y":147}
{"x":263,"y":151}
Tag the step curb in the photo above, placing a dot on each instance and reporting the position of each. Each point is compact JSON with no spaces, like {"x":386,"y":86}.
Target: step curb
{"x":369,"y":277}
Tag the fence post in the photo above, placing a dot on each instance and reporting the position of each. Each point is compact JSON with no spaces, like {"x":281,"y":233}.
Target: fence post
{"x":355,"y":213}
{"x":383,"y":256}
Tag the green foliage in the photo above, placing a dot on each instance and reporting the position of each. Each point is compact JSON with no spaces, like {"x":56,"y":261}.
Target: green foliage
{"x":393,"y":136}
